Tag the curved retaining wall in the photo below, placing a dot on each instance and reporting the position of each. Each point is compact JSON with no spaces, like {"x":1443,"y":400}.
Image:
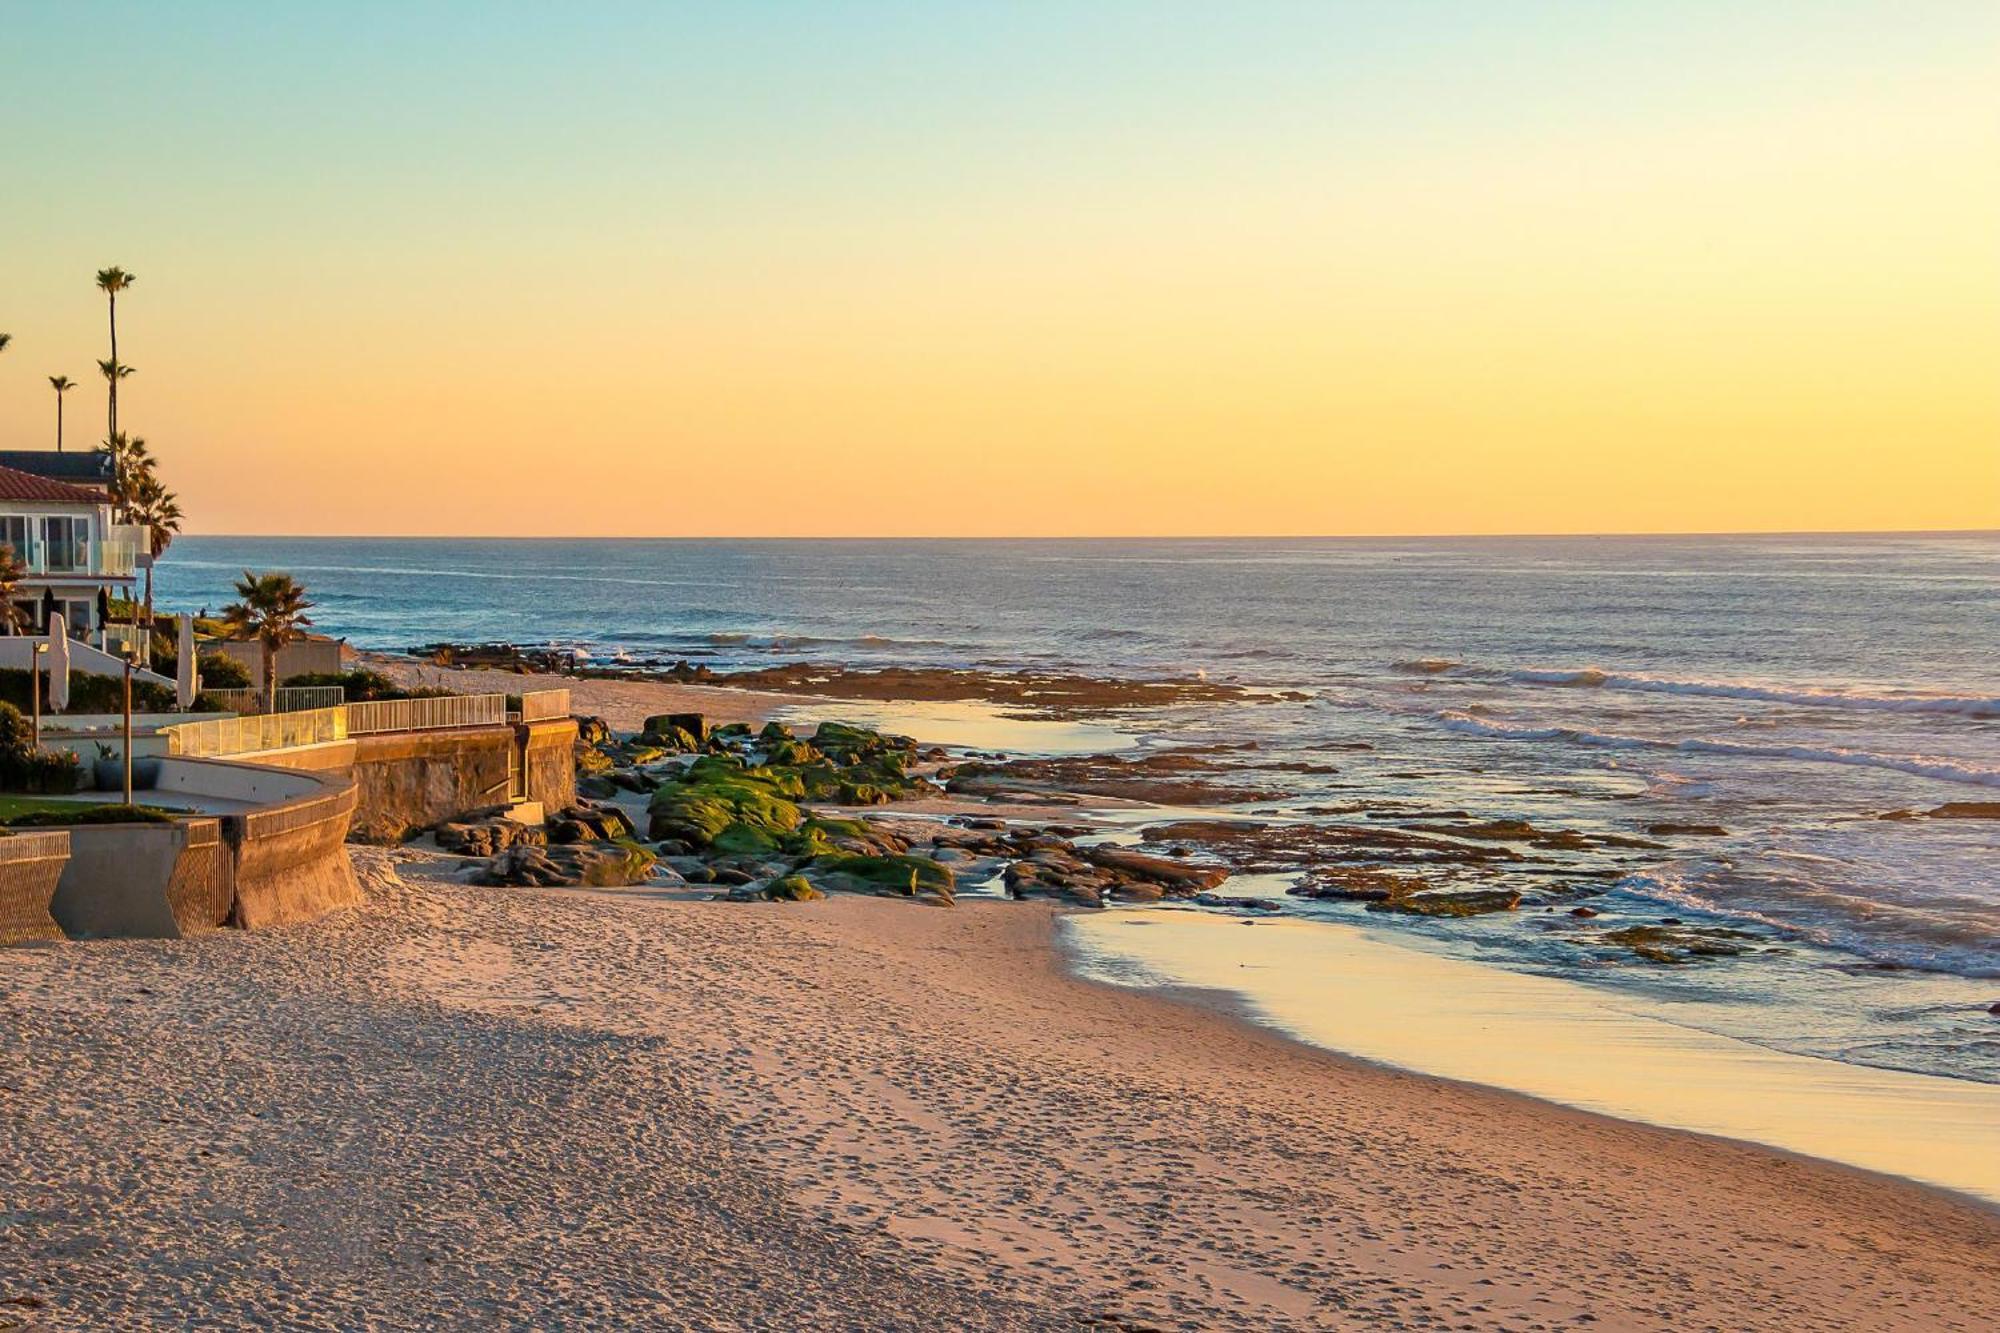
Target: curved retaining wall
{"x":284,"y":861}
{"x":290,"y":861}
{"x":30,"y":865}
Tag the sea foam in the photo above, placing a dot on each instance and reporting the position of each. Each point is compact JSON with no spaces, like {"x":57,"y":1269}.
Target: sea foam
{"x":1966,"y":705}
{"x":1923,"y":766}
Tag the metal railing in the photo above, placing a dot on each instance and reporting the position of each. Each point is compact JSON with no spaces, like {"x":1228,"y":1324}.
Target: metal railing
{"x":445,"y":710}
{"x":291,"y":698}
{"x":258,"y":732}
{"x":251,"y":735}
{"x":541,"y":705}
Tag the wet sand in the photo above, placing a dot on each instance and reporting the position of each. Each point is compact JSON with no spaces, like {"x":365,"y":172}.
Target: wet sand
{"x":524,"y":1109}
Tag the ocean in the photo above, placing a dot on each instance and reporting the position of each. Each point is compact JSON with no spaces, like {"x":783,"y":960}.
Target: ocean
{"x":1790,"y":689}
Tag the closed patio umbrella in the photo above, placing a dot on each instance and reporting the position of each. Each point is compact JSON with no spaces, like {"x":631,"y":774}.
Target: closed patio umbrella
{"x":186,"y":682}
{"x":58,"y":664}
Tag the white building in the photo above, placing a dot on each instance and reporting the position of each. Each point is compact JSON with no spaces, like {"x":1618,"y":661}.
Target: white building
{"x":77,"y":559}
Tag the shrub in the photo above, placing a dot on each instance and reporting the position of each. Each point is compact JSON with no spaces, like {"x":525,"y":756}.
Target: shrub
{"x":26,"y":769}
{"x":93,"y":814}
{"x":223,"y":672}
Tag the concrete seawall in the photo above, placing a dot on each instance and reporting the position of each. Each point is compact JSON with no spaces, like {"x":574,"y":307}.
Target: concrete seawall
{"x":407,"y":782}
{"x":283,"y":861}
{"x":146,"y":881}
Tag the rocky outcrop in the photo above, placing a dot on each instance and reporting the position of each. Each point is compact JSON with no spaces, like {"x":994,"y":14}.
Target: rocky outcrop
{"x":583,"y":864}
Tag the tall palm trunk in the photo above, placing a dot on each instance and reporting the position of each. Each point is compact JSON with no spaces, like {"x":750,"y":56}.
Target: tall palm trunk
{"x":113,"y":409}
{"x":58,"y":420}
{"x":270,"y":678}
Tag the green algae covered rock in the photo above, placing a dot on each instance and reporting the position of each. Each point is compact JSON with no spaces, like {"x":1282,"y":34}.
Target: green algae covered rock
{"x":744,"y":839}
{"x":717,"y":792}
{"x":792,"y":889}
{"x":896,"y":874}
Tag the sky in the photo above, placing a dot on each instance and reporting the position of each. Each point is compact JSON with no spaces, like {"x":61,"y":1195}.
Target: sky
{"x":1020,"y":269}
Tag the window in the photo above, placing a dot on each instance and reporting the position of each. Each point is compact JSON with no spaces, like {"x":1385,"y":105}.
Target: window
{"x":14,"y":532}
{"x":68,"y":542}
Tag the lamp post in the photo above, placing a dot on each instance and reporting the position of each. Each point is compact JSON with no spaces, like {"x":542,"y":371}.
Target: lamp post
{"x":35,"y":687}
{"x":129,"y":658}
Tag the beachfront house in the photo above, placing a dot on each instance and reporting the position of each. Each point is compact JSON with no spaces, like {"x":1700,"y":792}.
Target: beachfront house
{"x":61,"y":528}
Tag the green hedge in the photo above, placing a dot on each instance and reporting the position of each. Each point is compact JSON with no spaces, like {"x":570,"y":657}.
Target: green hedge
{"x":92,"y":814}
{"x":87,"y":694}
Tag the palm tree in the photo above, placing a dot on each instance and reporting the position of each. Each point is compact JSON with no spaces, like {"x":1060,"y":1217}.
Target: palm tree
{"x":5,"y":338}
{"x":270,"y":608}
{"x":13,"y":620}
{"x":130,"y":461}
{"x":62,"y":384}
{"x":157,"y":510}
{"x":112,"y":281}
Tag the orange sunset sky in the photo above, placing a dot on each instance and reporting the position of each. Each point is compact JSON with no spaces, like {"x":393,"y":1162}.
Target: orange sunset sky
{"x":1037,"y":269}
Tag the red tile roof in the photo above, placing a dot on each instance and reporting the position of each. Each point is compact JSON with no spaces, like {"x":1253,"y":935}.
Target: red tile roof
{"x":26,"y":486}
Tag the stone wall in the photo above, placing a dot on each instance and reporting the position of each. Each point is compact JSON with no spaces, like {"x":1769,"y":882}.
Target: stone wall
{"x":30,"y":865}
{"x":411,"y":781}
{"x":550,"y":759}
{"x":415,"y":780}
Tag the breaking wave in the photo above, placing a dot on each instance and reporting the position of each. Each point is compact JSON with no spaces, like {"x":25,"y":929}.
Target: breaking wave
{"x":1966,"y":705}
{"x":1923,"y":766}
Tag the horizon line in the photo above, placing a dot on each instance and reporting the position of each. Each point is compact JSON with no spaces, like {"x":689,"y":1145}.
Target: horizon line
{"x":1100,"y":537}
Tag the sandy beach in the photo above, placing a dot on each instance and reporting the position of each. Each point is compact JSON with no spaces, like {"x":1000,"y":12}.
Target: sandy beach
{"x":531,"y":1109}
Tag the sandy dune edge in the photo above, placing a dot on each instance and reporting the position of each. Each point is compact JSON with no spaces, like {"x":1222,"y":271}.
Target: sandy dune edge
{"x":515,"y":1109}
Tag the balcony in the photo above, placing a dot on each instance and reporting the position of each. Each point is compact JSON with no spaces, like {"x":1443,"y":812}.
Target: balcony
{"x":117,"y":557}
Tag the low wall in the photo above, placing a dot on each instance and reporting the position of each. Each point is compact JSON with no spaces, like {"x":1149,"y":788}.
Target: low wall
{"x":143,"y":881}
{"x":30,"y":866}
{"x":549,"y":761}
{"x":409,"y":781}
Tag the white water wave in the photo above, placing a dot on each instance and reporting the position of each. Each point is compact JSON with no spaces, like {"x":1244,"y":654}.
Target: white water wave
{"x":1923,"y":766}
{"x":1965,"y":705}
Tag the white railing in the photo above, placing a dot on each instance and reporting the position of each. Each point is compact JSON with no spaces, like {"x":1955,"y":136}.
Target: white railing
{"x":252,"y":735}
{"x":541,"y":705}
{"x":446,"y":710}
{"x":291,"y":698}
{"x":316,"y":726}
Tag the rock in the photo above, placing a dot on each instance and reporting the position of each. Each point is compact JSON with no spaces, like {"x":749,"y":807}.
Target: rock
{"x":694,"y":725}
{"x":1241,"y":904}
{"x":1451,"y":902}
{"x":1676,"y":943}
{"x":1687,"y":830}
{"x":486,"y":837}
{"x":1357,"y":884}
{"x":899,"y":875}
{"x":950,"y":855}
{"x":792,"y":889}
{"x":595,"y":864}
{"x":728,"y":875}
{"x":1584,"y":912}
{"x":1965,"y":810}
{"x":1156,"y":869}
